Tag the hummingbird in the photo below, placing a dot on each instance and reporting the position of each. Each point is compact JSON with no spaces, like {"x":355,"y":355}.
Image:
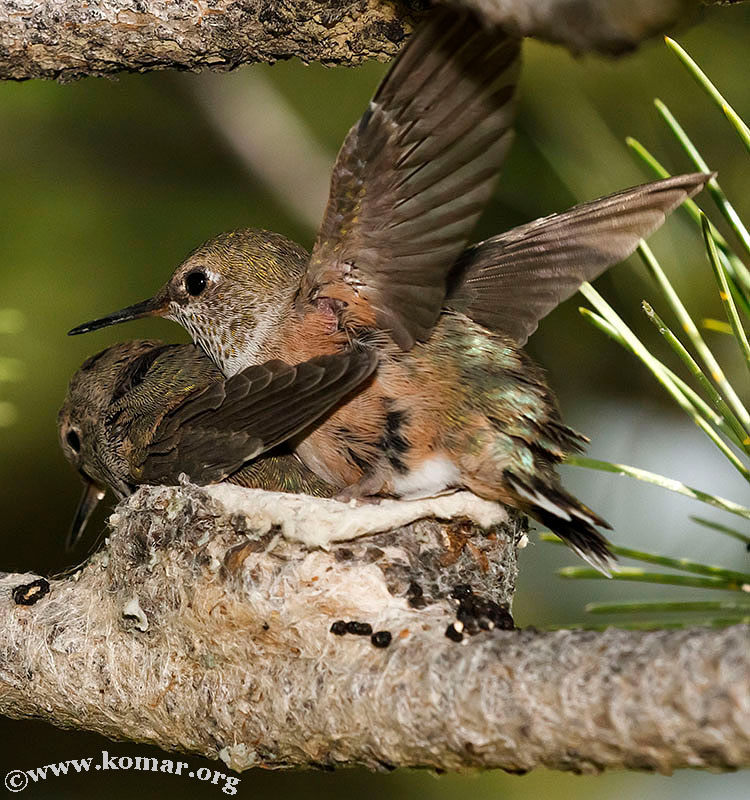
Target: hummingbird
{"x":144,"y":412}
{"x":455,"y":402}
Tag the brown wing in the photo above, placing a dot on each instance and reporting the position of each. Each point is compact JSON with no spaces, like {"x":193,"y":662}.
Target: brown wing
{"x":511,"y":281}
{"x":214,"y":432}
{"x":414,"y":174}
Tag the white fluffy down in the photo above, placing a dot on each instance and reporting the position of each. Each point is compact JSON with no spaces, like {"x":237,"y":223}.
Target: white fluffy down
{"x":319,"y":522}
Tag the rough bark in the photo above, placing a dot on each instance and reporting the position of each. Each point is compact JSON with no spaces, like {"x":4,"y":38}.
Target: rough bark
{"x":200,"y":628}
{"x":67,"y":39}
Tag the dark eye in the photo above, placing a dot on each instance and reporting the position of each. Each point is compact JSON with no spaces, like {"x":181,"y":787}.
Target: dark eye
{"x":195,"y":282}
{"x":73,"y":440}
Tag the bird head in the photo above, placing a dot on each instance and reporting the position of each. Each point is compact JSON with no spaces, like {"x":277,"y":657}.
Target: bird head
{"x":231,"y":294}
{"x":85,"y":428}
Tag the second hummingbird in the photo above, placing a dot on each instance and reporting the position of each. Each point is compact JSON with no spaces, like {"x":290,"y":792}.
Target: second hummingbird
{"x":146,"y":412}
{"x":455,"y":402}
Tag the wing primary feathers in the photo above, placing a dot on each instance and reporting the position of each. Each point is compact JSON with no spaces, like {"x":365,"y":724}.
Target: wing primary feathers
{"x":511,"y":281}
{"x":414,"y":174}
{"x":214,"y":432}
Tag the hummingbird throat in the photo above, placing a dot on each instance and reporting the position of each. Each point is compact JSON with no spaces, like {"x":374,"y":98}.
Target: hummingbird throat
{"x":234,"y":344}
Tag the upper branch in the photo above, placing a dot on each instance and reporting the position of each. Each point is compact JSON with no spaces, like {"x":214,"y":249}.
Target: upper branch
{"x":66,"y":39}
{"x":200,"y":628}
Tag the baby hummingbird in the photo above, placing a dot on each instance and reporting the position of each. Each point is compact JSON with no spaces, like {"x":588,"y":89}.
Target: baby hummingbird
{"x":455,"y":402}
{"x":145,"y":412}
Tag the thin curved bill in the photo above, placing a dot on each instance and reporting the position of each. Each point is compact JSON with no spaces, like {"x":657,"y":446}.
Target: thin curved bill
{"x":90,"y":498}
{"x":153,"y":307}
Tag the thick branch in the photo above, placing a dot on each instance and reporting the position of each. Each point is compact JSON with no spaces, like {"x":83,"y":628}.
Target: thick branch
{"x":199,"y":628}
{"x":67,"y":39}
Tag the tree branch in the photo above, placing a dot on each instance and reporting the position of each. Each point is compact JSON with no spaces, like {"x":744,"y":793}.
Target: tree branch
{"x":67,"y":39}
{"x":199,"y":628}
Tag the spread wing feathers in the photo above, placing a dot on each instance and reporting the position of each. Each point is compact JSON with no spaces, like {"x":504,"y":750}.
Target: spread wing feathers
{"x":567,"y":517}
{"x":413,"y":175}
{"x":511,"y":281}
{"x":214,"y":432}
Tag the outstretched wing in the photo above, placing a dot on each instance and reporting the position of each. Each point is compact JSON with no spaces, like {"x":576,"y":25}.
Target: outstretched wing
{"x":414,"y":174}
{"x":511,"y":281}
{"x":215,"y":431}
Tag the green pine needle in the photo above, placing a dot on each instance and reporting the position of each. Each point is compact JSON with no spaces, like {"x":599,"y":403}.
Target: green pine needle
{"x":641,"y":575}
{"x":660,"y":480}
{"x":705,"y":83}
{"x":715,"y":407}
{"x":691,"y":330}
{"x":735,"y":267}
{"x":739,"y":435}
{"x":717,"y":326}
{"x":726,"y":295}
{"x":736,"y":579}
{"x":739,"y":125}
{"x":699,"y":404}
{"x":726,"y":530}
{"x":668,"y":606}
{"x":657,"y":625}
{"x":726,"y":208}
{"x":657,"y":368}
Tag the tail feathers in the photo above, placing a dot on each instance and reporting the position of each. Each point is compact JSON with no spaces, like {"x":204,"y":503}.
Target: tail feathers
{"x":570,"y":519}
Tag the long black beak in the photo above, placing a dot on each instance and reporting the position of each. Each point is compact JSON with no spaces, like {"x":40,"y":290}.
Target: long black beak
{"x":153,"y":307}
{"x":90,"y":498}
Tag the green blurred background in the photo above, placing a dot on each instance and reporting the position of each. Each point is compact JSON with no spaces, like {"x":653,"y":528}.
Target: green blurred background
{"x":106,"y":185}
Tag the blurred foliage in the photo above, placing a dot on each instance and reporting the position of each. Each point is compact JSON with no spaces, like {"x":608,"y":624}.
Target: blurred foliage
{"x":713,"y":403}
{"x":11,"y":369}
{"x":108,"y":184}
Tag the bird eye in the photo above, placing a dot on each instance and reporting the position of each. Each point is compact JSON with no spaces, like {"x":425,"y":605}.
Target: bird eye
{"x":195,"y":282}
{"x":73,"y":440}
